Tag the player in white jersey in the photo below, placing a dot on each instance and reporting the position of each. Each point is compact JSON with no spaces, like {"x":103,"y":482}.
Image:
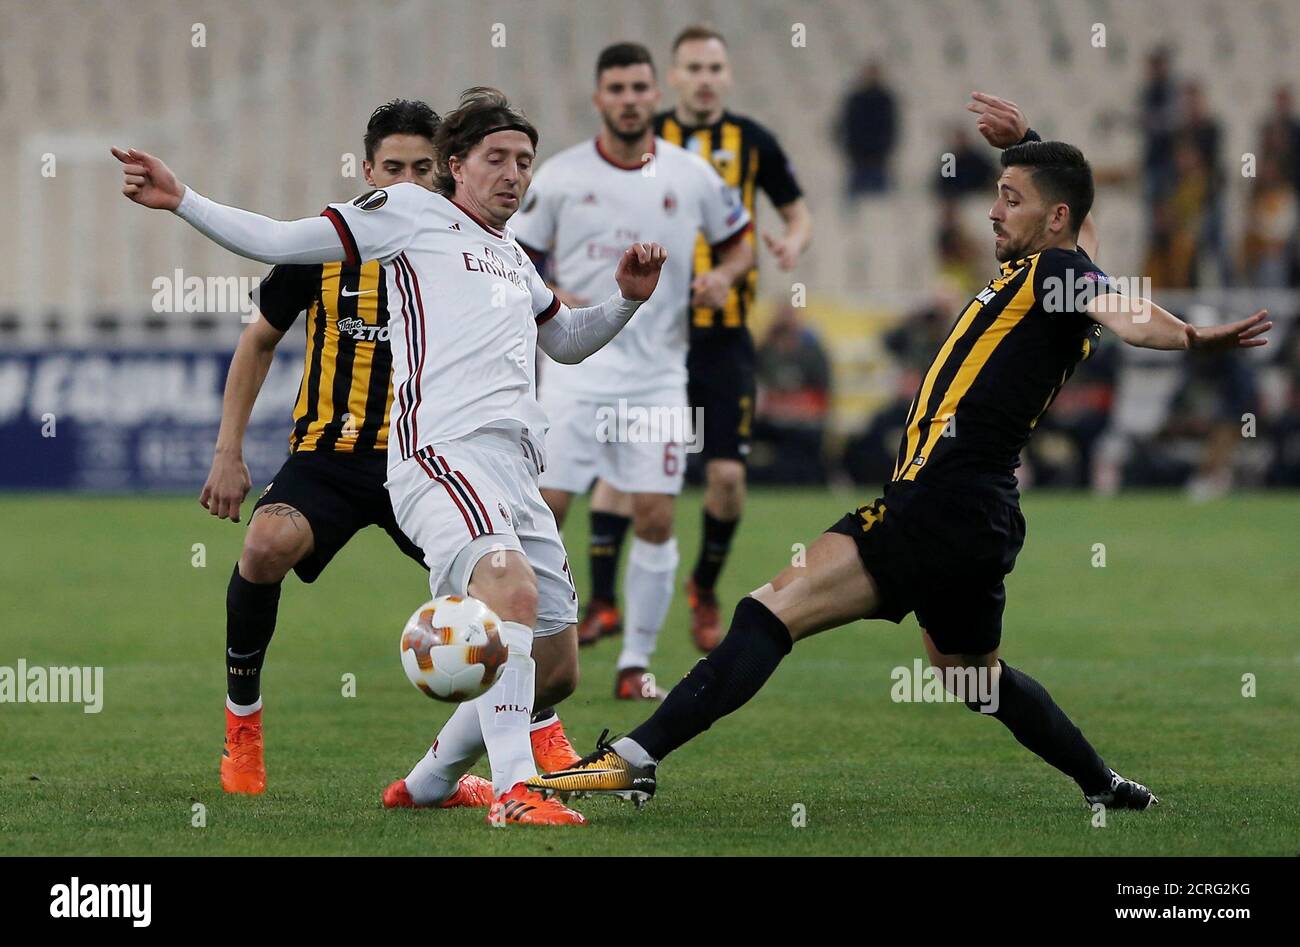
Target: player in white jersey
{"x":622,"y":417}
{"x":467,"y":312}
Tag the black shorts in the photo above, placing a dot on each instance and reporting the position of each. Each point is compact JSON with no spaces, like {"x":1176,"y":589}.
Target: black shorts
{"x":720,"y":372}
{"x":943,"y":555}
{"x":339,"y":494}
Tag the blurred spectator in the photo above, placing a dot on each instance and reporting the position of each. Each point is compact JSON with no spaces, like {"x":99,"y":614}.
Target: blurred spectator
{"x":972,"y":171}
{"x":961,"y":259}
{"x":1158,"y":108}
{"x":1176,"y":222}
{"x":867,"y":130}
{"x":1061,"y":452}
{"x":794,"y":380}
{"x":869,"y":457}
{"x":1284,"y":429}
{"x":1268,"y":249}
{"x":1203,"y":132}
{"x":1280,"y":137}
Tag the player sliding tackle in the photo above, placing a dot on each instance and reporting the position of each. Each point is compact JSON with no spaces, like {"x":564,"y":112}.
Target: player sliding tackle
{"x":949,"y":527}
{"x":467,"y":312}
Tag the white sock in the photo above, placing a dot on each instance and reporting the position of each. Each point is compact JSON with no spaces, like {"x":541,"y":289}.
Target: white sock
{"x":648,"y":592}
{"x":243,"y":710}
{"x":632,"y":751}
{"x":458,"y":747}
{"x":506,"y":710}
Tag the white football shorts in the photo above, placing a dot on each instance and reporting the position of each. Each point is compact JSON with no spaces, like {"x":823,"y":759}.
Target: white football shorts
{"x":476,"y":495}
{"x":637,"y":445}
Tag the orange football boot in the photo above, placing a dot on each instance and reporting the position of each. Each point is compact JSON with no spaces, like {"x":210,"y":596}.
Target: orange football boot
{"x":706,"y":631}
{"x":600,"y":620}
{"x":243,"y":769}
{"x":524,"y":806}
{"x":551,"y":748}
{"x":637,"y":684}
{"x":472,"y":792}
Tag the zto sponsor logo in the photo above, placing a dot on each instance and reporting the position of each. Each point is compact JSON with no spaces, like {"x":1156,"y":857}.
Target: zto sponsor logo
{"x":362,"y":331}
{"x":103,"y":900}
{"x":207,"y":294}
{"x":931,"y":685}
{"x":651,"y":424}
{"x":53,"y":685}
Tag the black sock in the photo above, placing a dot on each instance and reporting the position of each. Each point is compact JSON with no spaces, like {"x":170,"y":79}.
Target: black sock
{"x":720,"y":683}
{"x":546,"y":713}
{"x":607,"y":532}
{"x":714,"y":545}
{"x":1028,"y":711}
{"x":250,"y":622}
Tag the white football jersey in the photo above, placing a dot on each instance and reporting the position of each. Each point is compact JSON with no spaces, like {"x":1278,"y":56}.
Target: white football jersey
{"x":464,"y":304}
{"x":584,"y":210}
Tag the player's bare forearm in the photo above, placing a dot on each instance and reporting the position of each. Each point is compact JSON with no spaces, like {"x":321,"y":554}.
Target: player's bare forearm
{"x":735,"y":261}
{"x":798,"y":225}
{"x":248,"y":370}
{"x":1141,"y":323}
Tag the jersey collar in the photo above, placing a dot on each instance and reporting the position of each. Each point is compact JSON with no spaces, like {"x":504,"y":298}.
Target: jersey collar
{"x":619,"y":164}
{"x":480,"y":222}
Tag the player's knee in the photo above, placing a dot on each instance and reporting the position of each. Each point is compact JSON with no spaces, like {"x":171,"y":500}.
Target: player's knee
{"x":561,"y":681}
{"x":268,"y":555}
{"x":652,"y":518}
{"x":726,"y":479}
{"x":514,"y":597}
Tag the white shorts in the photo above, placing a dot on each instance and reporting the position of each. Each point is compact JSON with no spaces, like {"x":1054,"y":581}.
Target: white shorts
{"x":477,"y":495}
{"x":636,"y":445}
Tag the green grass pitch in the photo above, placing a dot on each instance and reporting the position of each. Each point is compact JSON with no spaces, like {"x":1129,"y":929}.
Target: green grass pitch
{"x":1146,"y":654}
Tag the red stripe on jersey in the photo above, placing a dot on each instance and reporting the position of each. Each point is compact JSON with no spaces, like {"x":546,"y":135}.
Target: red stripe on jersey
{"x":403,"y":393}
{"x":549,"y":312}
{"x":729,"y":241}
{"x":499,"y":234}
{"x":345,"y":235}
{"x":419,"y":368}
{"x":636,"y":166}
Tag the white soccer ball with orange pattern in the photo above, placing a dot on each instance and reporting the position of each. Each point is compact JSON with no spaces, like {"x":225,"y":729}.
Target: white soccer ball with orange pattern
{"x":451,"y":648}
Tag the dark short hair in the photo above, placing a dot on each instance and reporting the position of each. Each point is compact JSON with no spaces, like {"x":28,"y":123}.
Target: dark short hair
{"x":1059,"y":171}
{"x":697,"y":31}
{"x":623,"y":54}
{"x":482,"y":110}
{"x":400,"y":117}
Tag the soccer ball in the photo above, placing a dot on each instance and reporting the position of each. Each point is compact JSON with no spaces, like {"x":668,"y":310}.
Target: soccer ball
{"x":451,"y":648}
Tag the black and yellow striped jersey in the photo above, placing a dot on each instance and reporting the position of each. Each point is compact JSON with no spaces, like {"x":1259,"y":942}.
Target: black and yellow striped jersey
{"x":1004,"y":361}
{"x":346,"y":391}
{"x":748,"y":157}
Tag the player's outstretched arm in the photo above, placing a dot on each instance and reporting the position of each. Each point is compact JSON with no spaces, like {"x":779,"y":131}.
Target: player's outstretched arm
{"x":573,"y":334}
{"x":150,"y":183}
{"x":228,"y":481}
{"x":1142,"y":323}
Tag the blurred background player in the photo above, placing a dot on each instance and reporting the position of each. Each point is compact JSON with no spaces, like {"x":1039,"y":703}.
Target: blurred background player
{"x":589,"y":201}
{"x":465,"y":453}
{"x":721,"y":362}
